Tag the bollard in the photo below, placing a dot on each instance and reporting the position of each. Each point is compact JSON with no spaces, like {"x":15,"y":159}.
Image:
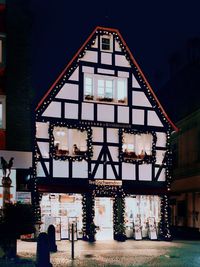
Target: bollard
{"x":52,"y":238}
{"x":72,"y":241}
{"x":43,"y":254}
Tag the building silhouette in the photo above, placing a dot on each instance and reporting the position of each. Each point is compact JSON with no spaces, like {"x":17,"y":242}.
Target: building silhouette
{"x":181,"y":97}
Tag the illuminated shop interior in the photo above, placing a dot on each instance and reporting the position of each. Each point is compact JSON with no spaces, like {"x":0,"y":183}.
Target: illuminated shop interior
{"x":63,"y":209}
{"x":141,"y":210}
{"x":60,"y":210}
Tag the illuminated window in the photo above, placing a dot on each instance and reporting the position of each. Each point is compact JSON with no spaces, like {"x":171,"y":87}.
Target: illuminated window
{"x":2,"y":112}
{"x":137,"y":146}
{"x":88,"y":88}
{"x":1,"y":51}
{"x":106,"y":89}
{"x":1,"y":115}
{"x":69,"y":142}
{"x":121,"y":90}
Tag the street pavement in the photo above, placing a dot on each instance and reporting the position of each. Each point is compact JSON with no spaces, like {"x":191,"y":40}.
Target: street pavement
{"x":143,"y":253}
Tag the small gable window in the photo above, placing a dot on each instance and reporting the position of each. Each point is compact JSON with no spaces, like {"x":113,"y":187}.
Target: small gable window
{"x":137,"y":146}
{"x":69,"y":142}
{"x":106,"y":43}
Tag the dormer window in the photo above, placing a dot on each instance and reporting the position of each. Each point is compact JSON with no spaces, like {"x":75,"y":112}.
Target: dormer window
{"x":106,"y":43}
{"x":105,"y":89}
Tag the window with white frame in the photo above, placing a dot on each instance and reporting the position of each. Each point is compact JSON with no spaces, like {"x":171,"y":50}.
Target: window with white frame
{"x":105,"y":88}
{"x":69,"y":142}
{"x":2,"y":112}
{"x":106,"y":43}
{"x":89,"y":95}
{"x":137,"y":146}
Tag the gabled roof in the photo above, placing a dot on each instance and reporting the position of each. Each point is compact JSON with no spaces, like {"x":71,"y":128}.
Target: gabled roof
{"x":81,"y":50}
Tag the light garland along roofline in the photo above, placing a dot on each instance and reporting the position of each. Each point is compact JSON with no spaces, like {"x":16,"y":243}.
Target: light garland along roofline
{"x":125,"y":48}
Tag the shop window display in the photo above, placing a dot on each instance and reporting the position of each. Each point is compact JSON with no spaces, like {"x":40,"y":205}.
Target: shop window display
{"x":142,"y":213}
{"x":59,"y":209}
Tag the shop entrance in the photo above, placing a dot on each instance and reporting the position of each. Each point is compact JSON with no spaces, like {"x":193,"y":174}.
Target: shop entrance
{"x":104,"y":218}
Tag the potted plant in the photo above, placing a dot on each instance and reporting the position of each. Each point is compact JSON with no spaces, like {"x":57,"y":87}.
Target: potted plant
{"x":89,"y":97}
{"x":15,"y":220}
{"x":92,"y":232}
{"x":120,"y":232}
{"x":106,"y":99}
{"x":121,"y":101}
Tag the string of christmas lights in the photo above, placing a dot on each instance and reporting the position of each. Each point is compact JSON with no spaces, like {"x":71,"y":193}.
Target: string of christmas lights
{"x":88,"y":154}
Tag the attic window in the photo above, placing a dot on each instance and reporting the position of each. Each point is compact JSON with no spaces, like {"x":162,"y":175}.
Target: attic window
{"x":106,"y":43}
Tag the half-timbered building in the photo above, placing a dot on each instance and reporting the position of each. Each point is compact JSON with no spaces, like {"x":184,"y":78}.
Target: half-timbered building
{"x":102,"y":151}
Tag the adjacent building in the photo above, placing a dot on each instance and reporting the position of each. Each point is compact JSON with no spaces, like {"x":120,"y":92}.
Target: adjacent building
{"x":15,"y":97}
{"x":181,"y":97}
{"x":102,"y":151}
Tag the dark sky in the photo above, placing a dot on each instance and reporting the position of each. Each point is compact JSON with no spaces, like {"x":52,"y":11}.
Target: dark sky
{"x":153,"y":30}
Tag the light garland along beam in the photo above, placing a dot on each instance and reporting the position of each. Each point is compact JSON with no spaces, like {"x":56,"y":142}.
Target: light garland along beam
{"x":150,"y":159}
{"x":88,"y":154}
{"x":168,"y":169}
{"x":88,"y":209}
{"x":164,"y":228}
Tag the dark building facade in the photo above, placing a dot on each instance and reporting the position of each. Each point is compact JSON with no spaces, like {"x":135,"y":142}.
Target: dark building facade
{"x":16,"y":95}
{"x":181,"y":96}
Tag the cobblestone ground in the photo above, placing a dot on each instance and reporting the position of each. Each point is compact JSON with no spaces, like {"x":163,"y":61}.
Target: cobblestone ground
{"x":115,"y":254}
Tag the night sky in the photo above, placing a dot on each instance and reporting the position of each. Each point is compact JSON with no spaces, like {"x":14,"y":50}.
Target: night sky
{"x":153,"y":30}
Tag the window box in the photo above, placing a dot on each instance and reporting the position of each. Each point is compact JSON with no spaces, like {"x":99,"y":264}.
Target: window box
{"x":105,"y":99}
{"x":132,"y":155}
{"x":122,"y":101}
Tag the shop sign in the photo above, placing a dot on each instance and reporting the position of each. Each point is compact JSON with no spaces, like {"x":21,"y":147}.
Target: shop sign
{"x":105,"y":182}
